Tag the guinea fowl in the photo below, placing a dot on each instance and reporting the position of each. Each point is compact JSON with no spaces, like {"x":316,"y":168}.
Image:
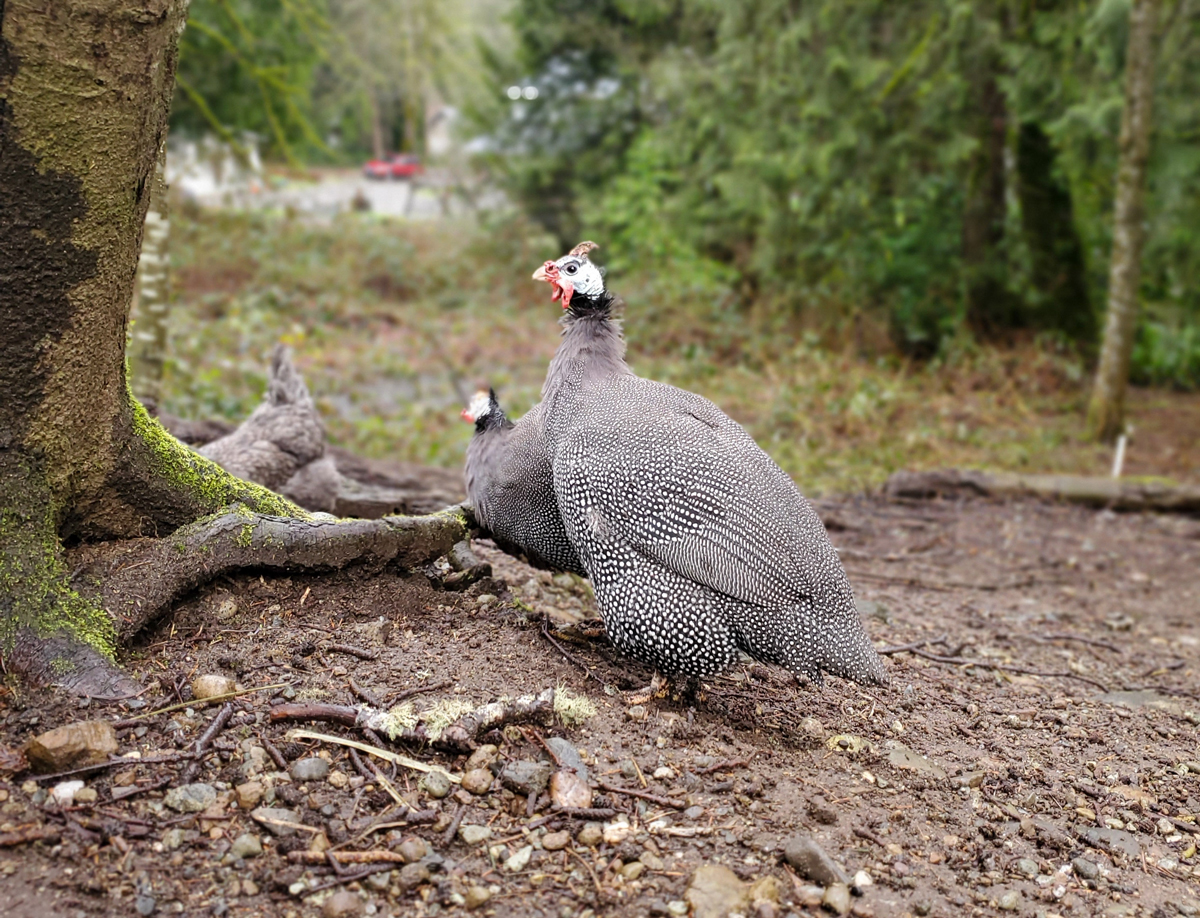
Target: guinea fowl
{"x":697,"y":544}
{"x":511,"y":486}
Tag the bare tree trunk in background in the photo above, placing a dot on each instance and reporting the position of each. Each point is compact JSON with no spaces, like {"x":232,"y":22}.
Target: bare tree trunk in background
{"x":377,"y":145}
{"x":1106,"y":412}
{"x":152,"y":294}
{"x":991,"y":309}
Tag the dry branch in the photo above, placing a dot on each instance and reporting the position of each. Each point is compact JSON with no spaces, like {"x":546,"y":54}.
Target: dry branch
{"x":137,"y":580}
{"x":1117,"y":493}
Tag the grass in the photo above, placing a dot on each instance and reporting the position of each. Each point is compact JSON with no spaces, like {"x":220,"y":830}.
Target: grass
{"x":394,"y":324}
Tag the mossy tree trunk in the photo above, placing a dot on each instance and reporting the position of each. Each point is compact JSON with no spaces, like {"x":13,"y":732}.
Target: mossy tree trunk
{"x":1106,"y":411}
{"x":85,"y":87}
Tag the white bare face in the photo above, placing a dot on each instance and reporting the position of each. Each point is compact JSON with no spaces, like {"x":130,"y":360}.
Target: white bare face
{"x":480,"y":404}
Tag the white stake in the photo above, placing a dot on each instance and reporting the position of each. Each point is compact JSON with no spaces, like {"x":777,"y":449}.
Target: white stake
{"x":1119,"y":458}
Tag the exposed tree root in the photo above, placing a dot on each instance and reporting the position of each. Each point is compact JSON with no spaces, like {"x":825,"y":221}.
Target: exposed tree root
{"x":64,"y":660}
{"x":426,"y":728}
{"x":137,"y":580}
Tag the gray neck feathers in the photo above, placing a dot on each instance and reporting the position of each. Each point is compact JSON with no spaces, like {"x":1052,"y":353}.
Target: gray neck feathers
{"x":592,"y":347}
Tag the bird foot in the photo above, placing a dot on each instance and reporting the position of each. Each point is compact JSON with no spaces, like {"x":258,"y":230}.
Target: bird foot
{"x":659,"y":688}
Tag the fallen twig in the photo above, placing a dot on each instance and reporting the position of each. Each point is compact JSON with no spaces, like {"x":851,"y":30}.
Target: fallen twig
{"x":274,"y":753}
{"x":584,"y":812}
{"x":900,"y":648}
{"x":1095,"y":642}
{"x":643,"y":795}
{"x":27,"y":834}
{"x":384,"y":754}
{"x":567,"y":655}
{"x":723,"y":766}
{"x":353,"y":651}
{"x":452,"y":829}
{"x":368,"y":696}
{"x":375,"y":856}
{"x":206,"y":738}
{"x":1004,"y":667}
{"x":870,"y":836}
{"x":194,"y":703}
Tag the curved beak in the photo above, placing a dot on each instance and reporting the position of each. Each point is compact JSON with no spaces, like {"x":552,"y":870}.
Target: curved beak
{"x":541,"y":274}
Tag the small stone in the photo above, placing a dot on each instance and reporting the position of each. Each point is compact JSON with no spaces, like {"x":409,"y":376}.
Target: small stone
{"x":435,"y":784}
{"x":677,"y":907}
{"x":715,"y":891}
{"x":664,"y":773}
{"x":246,"y":846}
{"x":693,"y":812}
{"x":922,"y":907}
{"x":1010,"y":901}
{"x":86,"y":795}
{"x":64,"y":793}
{"x":652,"y":861}
{"x":482,"y":757}
{"x":861,"y":880}
{"x":1027,"y":868}
{"x":209,"y":686}
{"x":249,"y":887}
{"x":338,"y":779}
{"x":520,"y":860}
{"x":616,"y":832}
{"x":813,"y":729}
{"x":191,"y":798}
{"x":1164,"y":826}
{"x":591,"y":835}
{"x":1085,"y":869}
{"x":274,"y":819}
{"x":837,"y":898}
{"x":249,"y":794}
{"x":413,"y":875}
{"x":633,"y":870}
{"x":526,"y":778}
{"x":568,"y":756}
{"x":173,"y":838}
{"x":570,"y":790}
{"x":478,"y":781}
{"x":810,"y":861}
{"x":412,"y":849}
{"x":809,"y":896}
{"x":342,"y":904}
{"x":74,"y":745}
{"x":145,"y":905}
{"x":556,"y":841}
{"x":312,"y":768}
{"x":637,"y":712}
{"x":473,"y":834}
{"x":476,"y":895}
{"x":379,"y":881}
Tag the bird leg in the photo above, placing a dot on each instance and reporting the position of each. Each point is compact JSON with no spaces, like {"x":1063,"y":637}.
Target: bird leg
{"x":659,"y":687}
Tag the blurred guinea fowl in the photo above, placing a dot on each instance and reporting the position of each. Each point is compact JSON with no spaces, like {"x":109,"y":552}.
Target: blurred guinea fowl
{"x":510,"y":484}
{"x":698,"y":545}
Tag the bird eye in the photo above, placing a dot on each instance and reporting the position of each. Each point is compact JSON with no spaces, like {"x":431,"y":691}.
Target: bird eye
{"x":571,"y":269}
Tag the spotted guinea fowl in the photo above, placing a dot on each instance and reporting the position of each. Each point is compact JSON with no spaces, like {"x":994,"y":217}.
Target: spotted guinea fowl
{"x":697,"y":544}
{"x":510,"y":484}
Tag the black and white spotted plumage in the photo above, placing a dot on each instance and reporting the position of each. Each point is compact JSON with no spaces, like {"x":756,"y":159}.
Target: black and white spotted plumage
{"x":697,"y":544}
{"x":511,"y":486}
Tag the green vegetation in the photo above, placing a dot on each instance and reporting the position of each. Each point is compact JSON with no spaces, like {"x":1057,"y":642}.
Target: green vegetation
{"x":395,"y":324}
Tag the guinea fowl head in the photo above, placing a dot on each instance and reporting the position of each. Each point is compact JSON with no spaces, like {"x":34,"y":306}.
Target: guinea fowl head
{"x":484,"y":410}
{"x":574,"y":279}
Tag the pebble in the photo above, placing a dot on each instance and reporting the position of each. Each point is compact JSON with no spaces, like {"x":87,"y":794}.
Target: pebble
{"x":313,"y":768}
{"x":413,"y":875}
{"x":1010,"y":901}
{"x":568,"y":756}
{"x":1027,"y":868}
{"x":837,"y":898}
{"x":663,"y":772}
{"x":412,"y":849}
{"x":86,"y":795}
{"x":173,"y":838}
{"x":525,"y":777}
{"x":249,"y":794}
{"x":637,"y":712}
{"x":520,"y":860}
{"x":861,"y":880}
{"x":209,"y":686}
{"x":591,"y":835}
{"x":1085,"y":869}
{"x":556,"y":841}
{"x":922,"y":907}
{"x":633,"y":871}
{"x":74,"y":745}
{"x":569,"y":789}
{"x":145,"y":905}
{"x":473,"y":834}
{"x":476,"y":896}
{"x":716,"y":891}
{"x":270,"y":817}
{"x":246,"y":846}
{"x":342,"y":904}
{"x":435,"y":784}
{"x":191,"y":798}
{"x":338,"y":779}
{"x":810,"y":860}
{"x":693,"y":812}
{"x":809,"y":896}
{"x":677,"y":907}
{"x":616,"y":832}
{"x":652,"y":861}
{"x":482,"y":757}
{"x":64,"y":793}
{"x":478,"y":781}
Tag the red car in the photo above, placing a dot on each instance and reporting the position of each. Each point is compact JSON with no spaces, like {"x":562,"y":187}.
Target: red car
{"x":396,"y":166}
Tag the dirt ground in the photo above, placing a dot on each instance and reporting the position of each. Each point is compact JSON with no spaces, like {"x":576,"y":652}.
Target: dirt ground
{"x":958,"y":789}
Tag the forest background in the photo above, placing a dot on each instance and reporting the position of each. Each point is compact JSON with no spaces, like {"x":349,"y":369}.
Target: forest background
{"x":877,"y":233}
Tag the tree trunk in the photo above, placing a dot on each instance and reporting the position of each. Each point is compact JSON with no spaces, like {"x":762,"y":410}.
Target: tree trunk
{"x":1106,"y":412}
{"x":991,"y":308}
{"x":152,"y":295}
{"x":377,"y":146}
{"x":85,"y":87}
{"x":1058,"y":271}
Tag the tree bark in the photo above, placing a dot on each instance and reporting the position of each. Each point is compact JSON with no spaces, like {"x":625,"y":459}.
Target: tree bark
{"x":152,"y":294}
{"x":1058,"y":270}
{"x":992,"y":310}
{"x":1106,"y":411}
{"x":85,"y":87}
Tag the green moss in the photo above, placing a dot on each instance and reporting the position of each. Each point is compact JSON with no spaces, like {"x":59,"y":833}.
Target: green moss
{"x":246,"y":536}
{"x":572,"y":709}
{"x":208,"y":484}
